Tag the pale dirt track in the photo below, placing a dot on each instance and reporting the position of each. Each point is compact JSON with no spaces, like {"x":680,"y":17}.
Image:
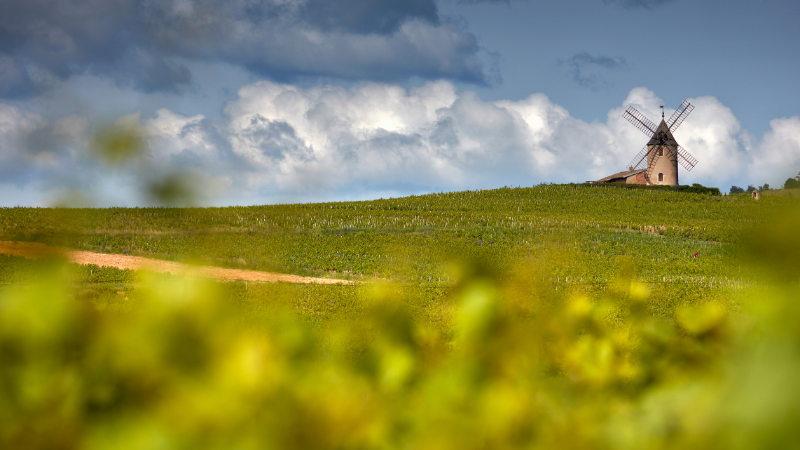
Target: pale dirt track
{"x":35,"y":251}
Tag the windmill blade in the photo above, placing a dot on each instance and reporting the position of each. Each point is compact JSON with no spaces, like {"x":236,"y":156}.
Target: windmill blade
{"x":687,"y":161}
{"x":679,"y":115}
{"x":672,"y":151}
{"x":640,"y":158}
{"x":640,"y":121}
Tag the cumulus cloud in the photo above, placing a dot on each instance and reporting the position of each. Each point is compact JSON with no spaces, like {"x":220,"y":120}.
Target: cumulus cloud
{"x":31,"y":146}
{"x":15,"y":127}
{"x":145,"y":44}
{"x":38,"y":157}
{"x":281,"y":142}
{"x":778,"y":155}
{"x":377,"y":136}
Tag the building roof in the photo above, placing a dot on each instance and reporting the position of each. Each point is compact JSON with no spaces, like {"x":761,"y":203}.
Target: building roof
{"x":625,"y":174}
{"x":666,"y":138}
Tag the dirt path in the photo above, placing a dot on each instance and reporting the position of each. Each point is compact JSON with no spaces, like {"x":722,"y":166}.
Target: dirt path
{"x":35,"y":251}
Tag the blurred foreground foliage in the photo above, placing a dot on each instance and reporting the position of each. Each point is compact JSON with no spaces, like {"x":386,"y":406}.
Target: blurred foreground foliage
{"x":517,"y":365}
{"x":118,"y":144}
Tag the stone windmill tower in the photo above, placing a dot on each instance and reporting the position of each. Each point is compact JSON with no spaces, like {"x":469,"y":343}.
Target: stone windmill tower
{"x":662,"y":154}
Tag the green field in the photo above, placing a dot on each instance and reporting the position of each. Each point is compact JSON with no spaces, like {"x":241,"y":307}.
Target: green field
{"x":411,"y":237}
{"x":575,"y":236}
{"x":556,"y":316}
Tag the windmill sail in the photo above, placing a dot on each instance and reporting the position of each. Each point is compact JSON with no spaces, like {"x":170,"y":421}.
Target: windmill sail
{"x":639,"y":121}
{"x":639,"y":160}
{"x":685,"y":159}
{"x":680,"y":115}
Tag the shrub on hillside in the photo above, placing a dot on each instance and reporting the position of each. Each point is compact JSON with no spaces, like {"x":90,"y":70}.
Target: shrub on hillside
{"x":737,"y":190}
{"x":694,"y":188}
{"x":792,"y":183}
{"x":698,"y":189}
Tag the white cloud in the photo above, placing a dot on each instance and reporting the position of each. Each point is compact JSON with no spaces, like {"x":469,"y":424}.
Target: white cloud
{"x":285,"y":143}
{"x":16,"y":125}
{"x":435,"y":137}
{"x":713,"y":135}
{"x":778,"y":156}
{"x":170,"y":133}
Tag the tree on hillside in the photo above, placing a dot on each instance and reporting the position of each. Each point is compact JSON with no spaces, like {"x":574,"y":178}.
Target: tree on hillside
{"x":765,"y":187}
{"x":792,"y":183}
{"x":750,"y":189}
{"x":736,"y":190}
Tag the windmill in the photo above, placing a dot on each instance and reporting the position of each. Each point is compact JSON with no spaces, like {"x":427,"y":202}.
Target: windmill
{"x":662,"y":154}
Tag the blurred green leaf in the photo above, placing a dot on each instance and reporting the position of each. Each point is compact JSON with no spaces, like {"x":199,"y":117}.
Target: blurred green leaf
{"x":118,"y":144}
{"x":175,"y":189}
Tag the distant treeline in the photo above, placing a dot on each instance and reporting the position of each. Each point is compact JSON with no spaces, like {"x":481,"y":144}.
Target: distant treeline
{"x":791,"y":183}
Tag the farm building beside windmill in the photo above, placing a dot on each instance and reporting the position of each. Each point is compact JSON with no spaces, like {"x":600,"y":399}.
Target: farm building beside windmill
{"x":657,"y":163}
{"x":627,"y":177}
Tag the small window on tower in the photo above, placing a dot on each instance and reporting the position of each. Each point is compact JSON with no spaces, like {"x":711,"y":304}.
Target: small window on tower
{"x":660,"y":151}
{"x":661,"y":177}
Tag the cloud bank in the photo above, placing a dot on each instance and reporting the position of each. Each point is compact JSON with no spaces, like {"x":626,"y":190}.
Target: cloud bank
{"x":146,"y":45}
{"x":279,"y":142}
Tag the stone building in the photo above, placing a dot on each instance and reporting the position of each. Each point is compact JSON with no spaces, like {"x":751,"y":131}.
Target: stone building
{"x":662,"y":157}
{"x":627,"y":177}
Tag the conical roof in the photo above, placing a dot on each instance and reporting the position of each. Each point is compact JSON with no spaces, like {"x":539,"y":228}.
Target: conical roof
{"x":662,"y":136}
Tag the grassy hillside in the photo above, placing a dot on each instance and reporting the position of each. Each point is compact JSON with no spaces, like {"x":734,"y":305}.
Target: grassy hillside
{"x":575,"y":238}
{"x":385,"y":237}
{"x":791,"y":193}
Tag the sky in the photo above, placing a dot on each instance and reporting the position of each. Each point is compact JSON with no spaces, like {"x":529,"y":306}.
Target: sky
{"x":273,"y":101}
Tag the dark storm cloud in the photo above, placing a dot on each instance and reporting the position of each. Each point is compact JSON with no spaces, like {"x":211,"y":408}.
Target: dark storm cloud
{"x":475,"y":2}
{"x":444,"y":134}
{"x":64,"y":38}
{"x":584,"y":68}
{"x":212,"y":132}
{"x":150,"y":73}
{"x":15,"y":80}
{"x":631,"y":4}
{"x":211,"y":149}
{"x":142,"y":44}
{"x":395,"y":143}
{"x":276,"y":139}
{"x":368,"y":16}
